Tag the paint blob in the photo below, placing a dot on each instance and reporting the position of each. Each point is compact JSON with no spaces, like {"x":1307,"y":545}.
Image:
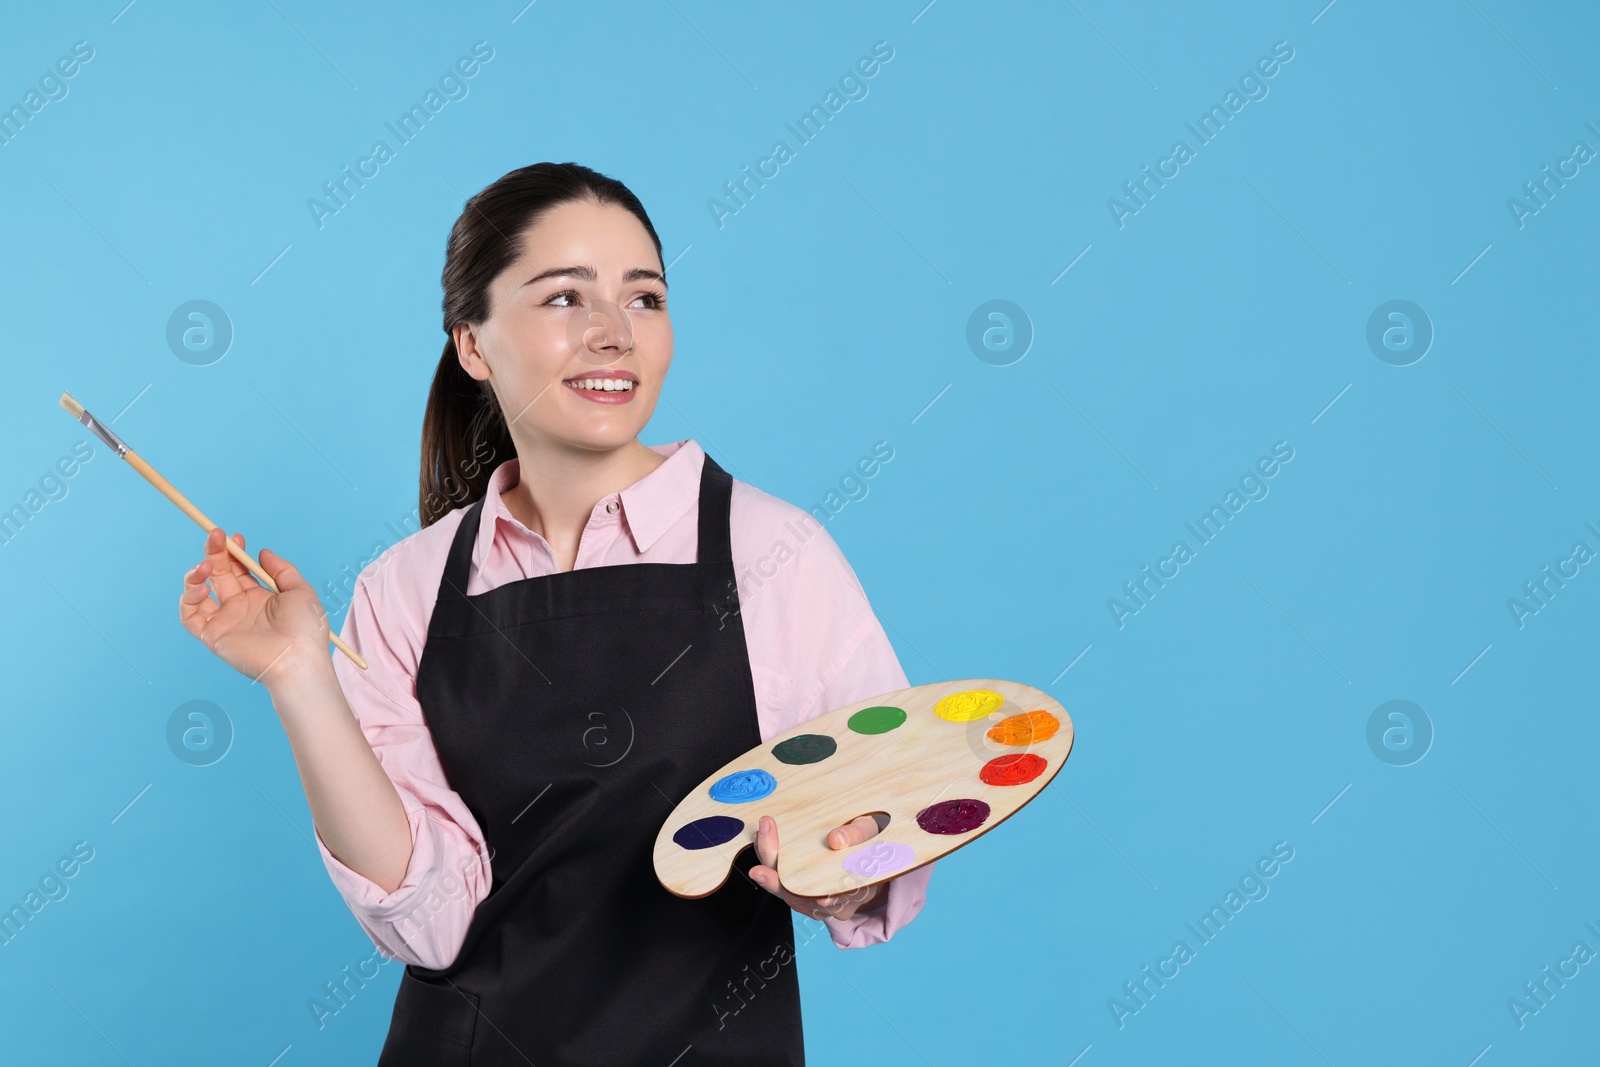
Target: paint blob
{"x":878,"y":858}
{"x":1014,"y":768}
{"x":741,"y":787}
{"x":1025,"y":729}
{"x":709,"y":832}
{"x":953,"y":816}
{"x":969,"y":704}
{"x":879,"y":720}
{"x":805,"y":748}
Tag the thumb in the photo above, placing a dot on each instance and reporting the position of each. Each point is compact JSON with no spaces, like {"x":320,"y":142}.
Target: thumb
{"x":282,"y":571}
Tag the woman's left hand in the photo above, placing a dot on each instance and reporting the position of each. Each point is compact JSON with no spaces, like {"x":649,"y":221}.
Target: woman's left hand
{"x":840,"y":906}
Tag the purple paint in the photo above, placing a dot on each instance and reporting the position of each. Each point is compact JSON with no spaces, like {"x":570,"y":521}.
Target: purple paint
{"x":953,"y":816}
{"x":709,"y":832}
{"x":877,"y":858}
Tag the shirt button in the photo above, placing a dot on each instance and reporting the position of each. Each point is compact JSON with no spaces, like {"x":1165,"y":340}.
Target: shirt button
{"x":612,"y":507}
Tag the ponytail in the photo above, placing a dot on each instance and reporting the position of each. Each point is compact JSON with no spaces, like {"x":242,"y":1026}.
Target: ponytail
{"x":464,"y":438}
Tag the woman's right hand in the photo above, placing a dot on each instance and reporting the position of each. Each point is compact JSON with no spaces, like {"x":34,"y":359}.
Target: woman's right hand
{"x":259,"y":633}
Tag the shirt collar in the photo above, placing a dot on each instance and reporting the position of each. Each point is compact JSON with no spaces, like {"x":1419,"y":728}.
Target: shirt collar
{"x":650,"y":505}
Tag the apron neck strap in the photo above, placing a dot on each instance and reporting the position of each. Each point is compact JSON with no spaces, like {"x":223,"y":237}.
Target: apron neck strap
{"x":716,"y":496}
{"x":714,"y":547}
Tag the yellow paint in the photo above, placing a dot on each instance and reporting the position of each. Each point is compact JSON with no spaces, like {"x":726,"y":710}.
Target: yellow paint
{"x":1025,"y":729}
{"x":968,"y":705}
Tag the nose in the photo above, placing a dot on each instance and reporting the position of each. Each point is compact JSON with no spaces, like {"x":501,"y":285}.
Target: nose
{"x":602,"y":334}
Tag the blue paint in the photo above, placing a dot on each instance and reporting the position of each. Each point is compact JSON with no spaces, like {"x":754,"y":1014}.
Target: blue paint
{"x":741,"y":787}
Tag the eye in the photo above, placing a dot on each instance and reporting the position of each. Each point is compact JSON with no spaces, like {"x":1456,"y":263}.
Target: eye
{"x":656,"y":300}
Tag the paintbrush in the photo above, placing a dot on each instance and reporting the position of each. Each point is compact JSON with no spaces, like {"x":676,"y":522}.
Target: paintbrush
{"x":117,"y":445}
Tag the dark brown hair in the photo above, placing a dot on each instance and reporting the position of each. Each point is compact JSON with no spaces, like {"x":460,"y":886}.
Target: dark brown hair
{"x":464,"y":434}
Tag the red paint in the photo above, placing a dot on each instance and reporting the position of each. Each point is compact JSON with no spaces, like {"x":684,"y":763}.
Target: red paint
{"x":1016,"y":768}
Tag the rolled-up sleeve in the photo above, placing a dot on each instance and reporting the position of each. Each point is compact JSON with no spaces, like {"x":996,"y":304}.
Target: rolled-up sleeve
{"x":862,"y":665}
{"x":424,"y":921}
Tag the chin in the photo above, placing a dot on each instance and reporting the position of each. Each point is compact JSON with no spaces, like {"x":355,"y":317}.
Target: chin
{"x":609,"y":439}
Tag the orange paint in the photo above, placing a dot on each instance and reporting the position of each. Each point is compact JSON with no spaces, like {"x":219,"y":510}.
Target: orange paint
{"x":1025,"y":729}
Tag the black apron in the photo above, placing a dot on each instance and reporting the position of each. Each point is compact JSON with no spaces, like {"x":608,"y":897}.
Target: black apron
{"x":572,"y":712}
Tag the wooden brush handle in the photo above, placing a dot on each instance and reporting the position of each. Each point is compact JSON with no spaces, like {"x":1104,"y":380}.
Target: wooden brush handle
{"x":171,"y":493}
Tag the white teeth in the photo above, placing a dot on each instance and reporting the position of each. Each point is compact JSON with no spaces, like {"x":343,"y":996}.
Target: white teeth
{"x":605,"y":385}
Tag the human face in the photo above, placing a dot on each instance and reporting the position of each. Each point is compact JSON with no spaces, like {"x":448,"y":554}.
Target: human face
{"x":584,"y":301}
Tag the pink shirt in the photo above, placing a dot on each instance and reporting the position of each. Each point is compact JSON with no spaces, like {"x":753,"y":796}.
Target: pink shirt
{"x":813,"y":640}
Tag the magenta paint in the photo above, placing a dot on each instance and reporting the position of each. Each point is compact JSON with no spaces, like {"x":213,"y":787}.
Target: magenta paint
{"x":953,"y":816}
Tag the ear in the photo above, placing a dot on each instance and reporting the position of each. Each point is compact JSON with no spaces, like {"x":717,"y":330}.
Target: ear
{"x":468,"y":352}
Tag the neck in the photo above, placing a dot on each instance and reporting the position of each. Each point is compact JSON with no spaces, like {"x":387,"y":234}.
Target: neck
{"x":558,"y":486}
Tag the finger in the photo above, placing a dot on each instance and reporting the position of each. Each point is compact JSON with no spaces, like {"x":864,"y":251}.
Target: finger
{"x":224,"y":581}
{"x":767,"y":841}
{"x":767,"y":879}
{"x":853,"y":832}
{"x":283,"y":572}
{"x":853,"y":898}
{"x":241,"y":569}
{"x":765,"y":873}
{"x":247,"y":577}
{"x":195,"y":605}
{"x":226,"y":572}
{"x":195,"y":577}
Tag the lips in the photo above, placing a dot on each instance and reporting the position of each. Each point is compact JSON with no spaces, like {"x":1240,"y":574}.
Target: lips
{"x":606,"y":372}
{"x":604,"y":385}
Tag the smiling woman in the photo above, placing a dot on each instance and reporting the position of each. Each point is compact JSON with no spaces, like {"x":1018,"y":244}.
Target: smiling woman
{"x":582,"y":593}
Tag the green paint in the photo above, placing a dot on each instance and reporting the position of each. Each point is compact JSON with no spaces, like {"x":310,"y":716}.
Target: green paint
{"x":805,"y":748}
{"x":878,"y":720}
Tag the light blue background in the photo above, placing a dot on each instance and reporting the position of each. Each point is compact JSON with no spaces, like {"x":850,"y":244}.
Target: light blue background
{"x":1227,"y":315}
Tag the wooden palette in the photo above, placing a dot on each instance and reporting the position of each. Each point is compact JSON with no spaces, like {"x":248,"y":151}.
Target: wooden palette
{"x":947,"y":762}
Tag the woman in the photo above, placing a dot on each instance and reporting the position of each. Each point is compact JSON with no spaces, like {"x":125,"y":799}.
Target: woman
{"x":556,"y":658}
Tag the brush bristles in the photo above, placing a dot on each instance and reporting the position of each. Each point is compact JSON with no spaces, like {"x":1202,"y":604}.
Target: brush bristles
{"x":72,"y":405}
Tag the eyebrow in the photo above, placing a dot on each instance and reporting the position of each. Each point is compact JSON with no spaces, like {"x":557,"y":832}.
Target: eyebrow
{"x":588,"y":274}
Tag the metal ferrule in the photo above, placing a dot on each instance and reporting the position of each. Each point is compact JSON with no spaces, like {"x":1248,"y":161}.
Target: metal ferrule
{"x":104,"y":433}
